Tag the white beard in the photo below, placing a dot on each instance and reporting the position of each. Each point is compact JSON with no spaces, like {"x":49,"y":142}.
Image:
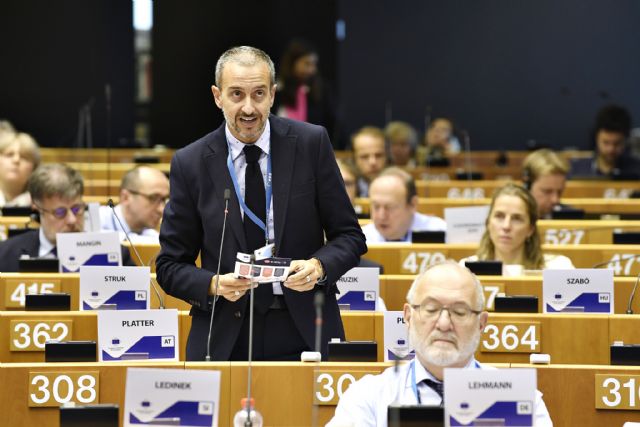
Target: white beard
{"x":438,"y":356}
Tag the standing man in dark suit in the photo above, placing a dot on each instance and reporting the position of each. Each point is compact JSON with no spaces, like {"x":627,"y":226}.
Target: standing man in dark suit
{"x":285,"y":188}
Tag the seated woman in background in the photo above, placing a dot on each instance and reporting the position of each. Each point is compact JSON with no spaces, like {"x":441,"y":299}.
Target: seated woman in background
{"x":511,"y":234}
{"x":19,"y":156}
{"x":544,"y":174}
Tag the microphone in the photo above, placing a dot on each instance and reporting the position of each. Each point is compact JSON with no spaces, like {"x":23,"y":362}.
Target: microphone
{"x":626,"y":258}
{"x":467,"y":153}
{"x":318,"y":303}
{"x":248,"y":421}
{"x":126,"y":235}
{"x":227,"y":196}
{"x":107,"y":100}
{"x":633,"y":294}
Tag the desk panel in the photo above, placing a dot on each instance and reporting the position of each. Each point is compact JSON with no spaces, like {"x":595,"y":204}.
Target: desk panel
{"x":70,"y":284}
{"x":84,"y":327}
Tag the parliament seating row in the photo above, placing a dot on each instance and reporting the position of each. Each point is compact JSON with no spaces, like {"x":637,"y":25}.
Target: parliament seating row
{"x":509,"y":338}
{"x":596,"y":206}
{"x":459,"y":189}
{"x":287,"y":393}
{"x":402,"y":258}
{"x":103,"y":155}
{"x":393,"y":290}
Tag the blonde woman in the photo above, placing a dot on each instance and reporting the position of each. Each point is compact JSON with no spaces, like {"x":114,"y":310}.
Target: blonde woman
{"x":19,"y":156}
{"x":511,"y":234}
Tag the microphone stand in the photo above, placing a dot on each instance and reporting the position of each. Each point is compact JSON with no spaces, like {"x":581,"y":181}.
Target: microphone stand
{"x":227,"y":196}
{"x":318,"y":302}
{"x":249,"y":422}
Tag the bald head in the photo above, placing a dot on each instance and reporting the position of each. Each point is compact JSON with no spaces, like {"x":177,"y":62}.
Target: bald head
{"x":143,"y":193}
{"x":450,"y":278}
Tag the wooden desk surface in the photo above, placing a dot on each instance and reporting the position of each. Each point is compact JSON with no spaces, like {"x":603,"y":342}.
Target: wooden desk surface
{"x":284,"y":391}
{"x":394,"y":288}
{"x":403,"y":258}
{"x":436,"y":205}
{"x":459,"y":189}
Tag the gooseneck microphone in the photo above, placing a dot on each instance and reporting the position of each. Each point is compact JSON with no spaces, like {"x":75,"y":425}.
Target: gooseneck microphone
{"x":633,"y":294}
{"x":624,"y":258}
{"x":126,"y":235}
{"x":318,"y":303}
{"x":227,"y":196}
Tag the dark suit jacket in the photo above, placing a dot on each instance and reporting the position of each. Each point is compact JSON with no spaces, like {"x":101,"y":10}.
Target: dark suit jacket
{"x":309,"y":201}
{"x":29,"y":243}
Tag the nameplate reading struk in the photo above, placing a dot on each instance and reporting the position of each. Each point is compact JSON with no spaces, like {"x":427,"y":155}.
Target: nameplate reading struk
{"x":138,"y":335}
{"x":176,"y":397}
{"x":582,"y":290}
{"x":78,"y":249}
{"x":114,"y":288}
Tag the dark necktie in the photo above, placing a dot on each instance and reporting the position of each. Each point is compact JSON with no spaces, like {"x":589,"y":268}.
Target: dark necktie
{"x":255,"y":199}
{"x":437,"y":387}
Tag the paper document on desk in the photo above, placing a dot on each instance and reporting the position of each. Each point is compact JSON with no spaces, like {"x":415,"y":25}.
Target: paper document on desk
{"x":171,"y":397}
{"x":264,"y":270}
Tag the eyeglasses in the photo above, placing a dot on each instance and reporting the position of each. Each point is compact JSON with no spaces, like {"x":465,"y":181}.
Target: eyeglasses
{"x":457,"y":312}
{"x":61,"y":212}
{"x":154,"y":199}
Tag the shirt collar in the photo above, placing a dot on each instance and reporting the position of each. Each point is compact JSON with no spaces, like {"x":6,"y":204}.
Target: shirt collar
{"x":236,"y":146}
{"x":45,"y":245}
{"x":423,"y":374}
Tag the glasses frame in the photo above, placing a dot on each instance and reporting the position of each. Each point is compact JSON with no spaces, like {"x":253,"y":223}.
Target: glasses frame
{"x":418,"y":308}
{"x":154,"y":199}
{"x":79,"y":207}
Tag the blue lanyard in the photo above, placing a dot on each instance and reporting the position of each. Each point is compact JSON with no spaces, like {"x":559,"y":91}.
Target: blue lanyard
{"x":414,"y":386}
{"x":268,"y":193}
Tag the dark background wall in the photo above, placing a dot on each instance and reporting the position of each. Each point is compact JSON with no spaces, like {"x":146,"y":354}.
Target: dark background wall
{"x":187,"y":41}
{"x":57,"y":56}
{"x":506,"y":71}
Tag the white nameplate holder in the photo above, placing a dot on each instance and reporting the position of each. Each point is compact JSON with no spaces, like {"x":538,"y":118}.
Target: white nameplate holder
{"x":496,"y":397}
{"x":92,"y":217}
{"x":78,"y":249}
{"x":359,"y":289}
{"x":396,"y":337}
{"x":171,"y":397}
{"x":138,"y":335}
{"x":114,"y":288}
{"x":466,"y":224}
{"x":582,"y":290}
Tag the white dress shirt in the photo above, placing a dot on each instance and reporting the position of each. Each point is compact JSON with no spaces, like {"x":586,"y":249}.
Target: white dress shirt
{"x":421,"y":222}
{"x":44,"y":251}
{"x":240,"y":165}
{"x":366,"y":401}
{"x":108,"y":222}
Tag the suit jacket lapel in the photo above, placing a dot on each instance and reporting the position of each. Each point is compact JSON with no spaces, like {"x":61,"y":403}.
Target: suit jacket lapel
{"x":216,"y":165}
{"x":283,"y":151}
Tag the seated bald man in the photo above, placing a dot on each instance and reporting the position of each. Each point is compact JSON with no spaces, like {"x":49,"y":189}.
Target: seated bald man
{"x":445,"y":317}
{"x":144,"y":192}
{"x":394,"y":209}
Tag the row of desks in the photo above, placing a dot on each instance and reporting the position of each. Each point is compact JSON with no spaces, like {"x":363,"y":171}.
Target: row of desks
{"x":393,"y":290}
{"x":508,"y":338}
{"x":286,"y":393}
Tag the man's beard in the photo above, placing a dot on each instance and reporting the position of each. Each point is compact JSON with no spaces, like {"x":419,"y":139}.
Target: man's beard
{"x":439,"y":356}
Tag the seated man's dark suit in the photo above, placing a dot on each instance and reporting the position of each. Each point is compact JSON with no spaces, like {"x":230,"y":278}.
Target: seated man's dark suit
{"x":309,"y":202}
{"x":28,"y":243}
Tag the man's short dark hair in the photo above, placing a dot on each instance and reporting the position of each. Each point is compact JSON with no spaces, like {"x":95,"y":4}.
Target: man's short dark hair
{"x":613,"y":118}
{"x":405,"y":177}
